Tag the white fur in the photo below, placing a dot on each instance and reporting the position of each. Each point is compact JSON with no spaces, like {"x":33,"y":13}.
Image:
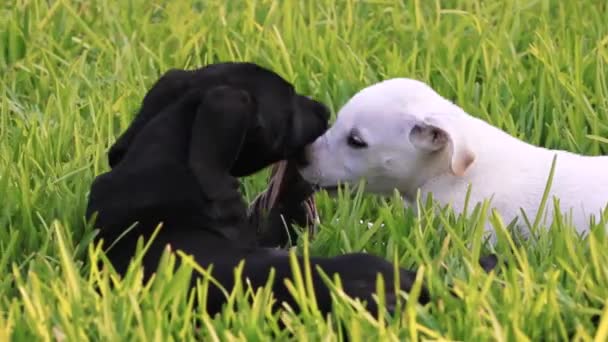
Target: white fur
{"x":418,"y":140}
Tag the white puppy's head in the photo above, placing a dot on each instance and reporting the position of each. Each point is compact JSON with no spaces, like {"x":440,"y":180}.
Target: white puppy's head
{"x":396,"y":134}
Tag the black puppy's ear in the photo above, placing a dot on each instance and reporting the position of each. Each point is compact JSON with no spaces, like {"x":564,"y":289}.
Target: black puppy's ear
{"x":218,"y":133}
{"x":167,"y":90}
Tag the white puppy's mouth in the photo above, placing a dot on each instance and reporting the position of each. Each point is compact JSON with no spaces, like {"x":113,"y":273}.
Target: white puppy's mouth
{"x":319,"y":187}
{"x":331,"y":189}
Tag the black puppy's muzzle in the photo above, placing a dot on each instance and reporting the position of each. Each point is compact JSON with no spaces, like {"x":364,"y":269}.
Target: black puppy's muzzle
{"x":301,"y":158}
{"x":314,"y":120}
{"x":318,"y":116}
{"x":319,"y":109}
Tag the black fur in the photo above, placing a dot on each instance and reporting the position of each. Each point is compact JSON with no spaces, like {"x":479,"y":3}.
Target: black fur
{"x":177,"y":164}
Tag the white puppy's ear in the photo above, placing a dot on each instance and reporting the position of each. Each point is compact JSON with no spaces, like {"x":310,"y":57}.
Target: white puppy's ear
{"x":432,"y":135}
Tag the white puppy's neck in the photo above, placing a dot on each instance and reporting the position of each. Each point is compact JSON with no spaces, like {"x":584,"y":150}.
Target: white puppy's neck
{"x":513,"y":174}
{"x":497,"y":155}
{"x":498,"y":152}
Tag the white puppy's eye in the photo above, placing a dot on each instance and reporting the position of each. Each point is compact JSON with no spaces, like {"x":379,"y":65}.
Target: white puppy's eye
{"x":355,"y":141}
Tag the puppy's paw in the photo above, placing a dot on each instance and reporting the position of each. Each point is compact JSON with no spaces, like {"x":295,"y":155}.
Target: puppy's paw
{"x":224,"y":99}
{"x":359,"y":272}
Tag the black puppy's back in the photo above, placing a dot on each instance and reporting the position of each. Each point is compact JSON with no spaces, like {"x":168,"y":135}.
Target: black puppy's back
{"x":154,"y":184}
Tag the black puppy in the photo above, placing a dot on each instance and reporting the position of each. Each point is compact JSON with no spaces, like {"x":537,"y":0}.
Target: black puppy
{"x":176,"y":165}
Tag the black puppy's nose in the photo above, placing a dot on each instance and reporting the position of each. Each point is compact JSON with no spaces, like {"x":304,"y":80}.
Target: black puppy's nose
{"x":301,"y":158}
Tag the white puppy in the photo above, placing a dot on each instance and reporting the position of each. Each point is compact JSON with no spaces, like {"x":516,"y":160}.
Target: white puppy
{"x":400,"y":134}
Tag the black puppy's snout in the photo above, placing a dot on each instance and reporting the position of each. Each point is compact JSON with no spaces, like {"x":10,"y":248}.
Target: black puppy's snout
{"x":321,"y":110}
{"x":318,"y":108}
{"x":301,"y":158}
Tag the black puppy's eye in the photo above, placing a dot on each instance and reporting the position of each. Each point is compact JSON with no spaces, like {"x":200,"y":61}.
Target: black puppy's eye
{"x":355,"y":141}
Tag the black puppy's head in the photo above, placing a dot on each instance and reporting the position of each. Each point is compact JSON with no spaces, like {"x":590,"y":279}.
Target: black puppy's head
{"x":285,"y":121}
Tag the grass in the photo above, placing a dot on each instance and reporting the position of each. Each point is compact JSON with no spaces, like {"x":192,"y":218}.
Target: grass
{"x":74,"y":72}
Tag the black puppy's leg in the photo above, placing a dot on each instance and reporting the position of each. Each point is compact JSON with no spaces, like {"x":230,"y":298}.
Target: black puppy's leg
{"x":218,"y":133}
{"x":358,"y":273}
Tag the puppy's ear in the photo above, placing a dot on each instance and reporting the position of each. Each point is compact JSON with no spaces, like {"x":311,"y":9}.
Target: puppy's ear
{"x":167,"y":90}
{"x":434,"y":134}
{"x":218,"y":132}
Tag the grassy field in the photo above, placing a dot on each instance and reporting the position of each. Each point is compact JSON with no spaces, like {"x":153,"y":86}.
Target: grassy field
{"x":73,"y":74}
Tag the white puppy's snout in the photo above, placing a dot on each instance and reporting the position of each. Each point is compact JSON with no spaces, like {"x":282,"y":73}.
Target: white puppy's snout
{"x":311,"y":176}
{"x":316,"y":160}
{"x":310,"y":152}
